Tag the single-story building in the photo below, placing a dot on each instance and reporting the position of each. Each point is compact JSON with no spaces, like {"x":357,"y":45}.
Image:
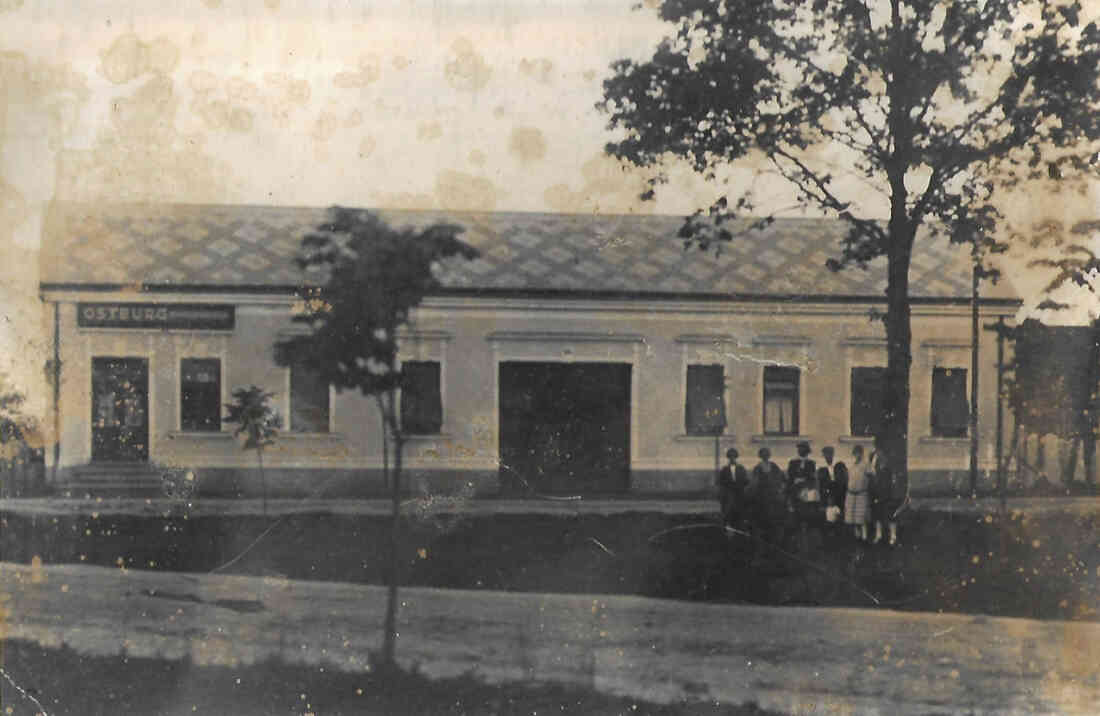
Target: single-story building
{"x":578,"y":354}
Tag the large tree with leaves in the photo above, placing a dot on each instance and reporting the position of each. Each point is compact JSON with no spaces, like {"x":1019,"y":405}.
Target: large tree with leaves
{"x":936,"y":104}
{"x":369,"y":277}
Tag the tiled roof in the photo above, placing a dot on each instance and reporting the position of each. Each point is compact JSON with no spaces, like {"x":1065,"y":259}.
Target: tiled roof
{"x":244,"y":247}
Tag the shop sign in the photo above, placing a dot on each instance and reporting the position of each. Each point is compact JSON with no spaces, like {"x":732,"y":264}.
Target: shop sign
{"x":184,"y":316}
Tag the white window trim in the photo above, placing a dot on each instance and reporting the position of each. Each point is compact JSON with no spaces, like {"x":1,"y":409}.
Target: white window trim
{"x":859,"y":352}
{"x":953,"y":354}
{"x":426,"y":345}
{"x":221,"y":354}
{"x":931,"y":437}
{"x":691,"y":349}
{"x":783,"y":348}
{"x":285,"y":430}
{"x":800,"y":397}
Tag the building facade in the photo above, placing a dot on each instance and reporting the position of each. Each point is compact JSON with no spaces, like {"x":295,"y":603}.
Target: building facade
{"x":577,"y":355}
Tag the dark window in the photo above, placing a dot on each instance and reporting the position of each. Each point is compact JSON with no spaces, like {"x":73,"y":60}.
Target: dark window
{"x":421,"y":398}
{"x":950,"y":408}
{"x":780,"y":400}
{"x":705,"y":406}
{"x":868,"y":398}
{"x":308,"y":401}
{"x":200,"y":394}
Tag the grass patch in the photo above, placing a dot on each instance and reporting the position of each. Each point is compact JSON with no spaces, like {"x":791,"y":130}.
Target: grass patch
{"x":1045,"y":567}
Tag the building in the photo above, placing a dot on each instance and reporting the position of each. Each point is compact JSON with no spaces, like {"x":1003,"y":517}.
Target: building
{"x":578,"y":354}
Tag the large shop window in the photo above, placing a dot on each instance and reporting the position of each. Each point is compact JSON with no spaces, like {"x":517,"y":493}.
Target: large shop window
{"x":780,"y":400}
{"x":868,"y":399}
{"x":421,"y":398}
{"x":309,"y":395}
{"x":705,"y":406}
{"x":950,"y":408}
{"x":200,"y":394}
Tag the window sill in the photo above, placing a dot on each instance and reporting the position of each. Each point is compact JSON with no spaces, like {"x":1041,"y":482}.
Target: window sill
{"x":427,"y":437}
{"x":780,"y":437}
{"x":286,"y":434}
{"x":857,"y":439}
{"x":200,"y":435}
{"x":686,"y":438}
{"x":937,"y":440}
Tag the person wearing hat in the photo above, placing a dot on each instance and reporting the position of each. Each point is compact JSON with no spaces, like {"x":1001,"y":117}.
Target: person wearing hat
{"x":732,"y":480}
{"x":803,"y":492}
{"x":832,"y":478}
{"x":768,"y":496}
{"x":889,"y":494}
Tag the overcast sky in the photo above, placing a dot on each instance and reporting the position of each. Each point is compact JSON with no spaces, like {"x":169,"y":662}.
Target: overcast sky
{"x":475,"y":104}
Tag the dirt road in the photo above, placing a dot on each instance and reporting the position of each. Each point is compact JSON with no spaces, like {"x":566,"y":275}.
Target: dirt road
{"x":794,"y":659}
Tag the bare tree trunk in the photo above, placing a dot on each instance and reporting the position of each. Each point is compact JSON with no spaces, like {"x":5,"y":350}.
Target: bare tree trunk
{"x":1069,"y":467}
{"x":389,"y":647}
{"x":263,"y":477}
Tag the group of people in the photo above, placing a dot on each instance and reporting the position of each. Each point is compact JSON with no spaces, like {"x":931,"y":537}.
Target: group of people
{"x":774,"y":504}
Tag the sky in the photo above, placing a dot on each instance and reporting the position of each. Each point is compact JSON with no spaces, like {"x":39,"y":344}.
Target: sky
{"x":453,"y":104}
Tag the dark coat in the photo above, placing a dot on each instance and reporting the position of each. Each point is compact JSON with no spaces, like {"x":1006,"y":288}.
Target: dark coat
{"x":732,"y":484}
{"x":800,"y":474}
{"x":834,"y":489}
{"x":889,"y":489}
{"x":767,"y":488}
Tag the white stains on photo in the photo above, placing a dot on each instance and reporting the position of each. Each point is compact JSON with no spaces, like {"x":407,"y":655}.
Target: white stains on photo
{"x":595,"y":442}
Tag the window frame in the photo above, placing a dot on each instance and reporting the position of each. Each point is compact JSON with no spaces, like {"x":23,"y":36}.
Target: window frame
{"x":852,"y":402}
{"x":287,"y":422}
{"x":796,"y":418}
{"x":442,"y":404}
{"x":935,"y":429}
{"x":220,"y":393}
{"x":687,"y":393}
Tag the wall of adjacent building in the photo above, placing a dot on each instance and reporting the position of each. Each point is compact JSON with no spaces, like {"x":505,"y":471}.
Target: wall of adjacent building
{"x":470,"y":337}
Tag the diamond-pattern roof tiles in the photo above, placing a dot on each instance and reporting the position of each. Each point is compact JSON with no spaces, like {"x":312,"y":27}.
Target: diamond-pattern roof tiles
{"x":253,"y":246}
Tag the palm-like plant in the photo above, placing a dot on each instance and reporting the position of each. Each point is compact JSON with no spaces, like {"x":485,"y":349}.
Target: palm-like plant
{"x":257,"y":421}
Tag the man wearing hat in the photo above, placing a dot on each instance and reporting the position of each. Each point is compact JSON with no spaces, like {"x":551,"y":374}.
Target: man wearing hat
{"x":803,"y":492}
{"x":731,"y":490}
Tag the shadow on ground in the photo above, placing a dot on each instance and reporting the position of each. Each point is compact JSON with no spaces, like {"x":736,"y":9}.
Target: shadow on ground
{"x":1045,"y":567}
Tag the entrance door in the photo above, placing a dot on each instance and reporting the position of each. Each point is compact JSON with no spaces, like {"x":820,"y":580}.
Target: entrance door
{"x":120,"y":409}
{"x":565,"y":427}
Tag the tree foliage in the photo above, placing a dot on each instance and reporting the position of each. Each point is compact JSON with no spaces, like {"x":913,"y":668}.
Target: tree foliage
{"x":257,"y":421}
{"x":369,"y":277}
{"x":932,"y":106}
{"x":14,"y":423}
{"x":1053,"y":385}
{"x":254,"y":417}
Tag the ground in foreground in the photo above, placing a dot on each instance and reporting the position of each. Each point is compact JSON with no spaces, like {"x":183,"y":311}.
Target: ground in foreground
{"x":65,"y":682}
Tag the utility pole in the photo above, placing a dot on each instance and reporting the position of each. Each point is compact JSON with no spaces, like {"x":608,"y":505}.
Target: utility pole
{"x":999,"y":327}
{"x":975,"y":334}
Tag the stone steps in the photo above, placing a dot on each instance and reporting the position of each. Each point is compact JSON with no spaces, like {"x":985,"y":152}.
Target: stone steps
{"x":113,"y":480}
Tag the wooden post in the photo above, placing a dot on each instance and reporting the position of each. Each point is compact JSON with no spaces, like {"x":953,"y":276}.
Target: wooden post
{"x":974,"y":336}
{"x":999,"y":327}
{"x":56,"y":390}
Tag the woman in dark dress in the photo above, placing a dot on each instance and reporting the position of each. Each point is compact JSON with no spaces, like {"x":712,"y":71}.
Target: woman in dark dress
{"x":833,"y":479}
{"x":768,"y":490}
{"x":732,"y":481}
{"x":889,"y":493}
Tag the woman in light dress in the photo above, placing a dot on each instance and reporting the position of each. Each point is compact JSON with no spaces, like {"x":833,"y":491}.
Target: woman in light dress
{"x":858,"y":502}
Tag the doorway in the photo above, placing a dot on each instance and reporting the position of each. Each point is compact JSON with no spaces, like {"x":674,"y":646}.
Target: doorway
{"x":120,"y":409}
{"x":565,"y":427}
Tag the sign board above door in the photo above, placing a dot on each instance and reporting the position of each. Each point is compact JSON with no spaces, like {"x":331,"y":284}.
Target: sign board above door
{"x":181,"y":316}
